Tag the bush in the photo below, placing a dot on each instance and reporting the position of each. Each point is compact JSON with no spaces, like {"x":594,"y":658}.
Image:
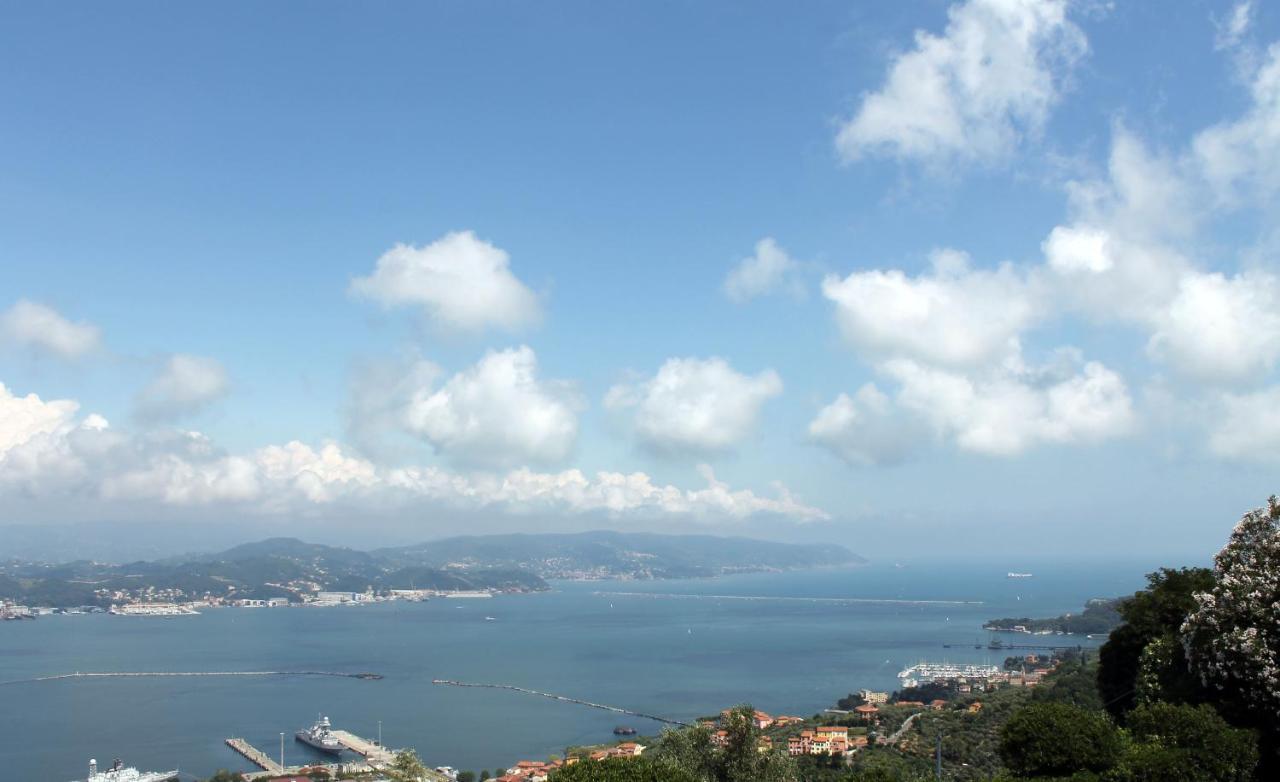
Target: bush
{"x":1191,"y":743}
{"x":1055,"y":739}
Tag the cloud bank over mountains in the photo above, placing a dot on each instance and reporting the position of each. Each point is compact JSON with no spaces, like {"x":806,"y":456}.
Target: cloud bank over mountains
{"x":48,"y":451}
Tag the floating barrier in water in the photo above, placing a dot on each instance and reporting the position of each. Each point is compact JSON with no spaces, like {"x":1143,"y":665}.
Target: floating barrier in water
{"x":834,"y":600}
{"x":563,"y":699}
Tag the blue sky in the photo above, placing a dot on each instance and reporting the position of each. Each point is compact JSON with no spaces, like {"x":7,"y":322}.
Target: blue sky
{"x":997,"y":268}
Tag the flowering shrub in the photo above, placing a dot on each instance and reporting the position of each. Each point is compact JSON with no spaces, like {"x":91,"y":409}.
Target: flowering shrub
{"x":1232,"y":638}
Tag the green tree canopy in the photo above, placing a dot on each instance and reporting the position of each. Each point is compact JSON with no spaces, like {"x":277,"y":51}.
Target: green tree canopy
{"x":1187,"y":743}
{"x":739,"y":760}
{"x":621,"y":770}
{"x":1154,"y":614}
{"x":1056,"y":739}
{"x":407,"y":767}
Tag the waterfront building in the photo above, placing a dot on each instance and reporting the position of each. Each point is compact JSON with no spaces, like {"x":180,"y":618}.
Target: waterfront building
{"x":873,"y":697}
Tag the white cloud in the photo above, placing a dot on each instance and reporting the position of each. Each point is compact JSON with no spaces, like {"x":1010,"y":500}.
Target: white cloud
{"x":29,"y":324}
{"x":497,"y":413}
{"x":461,"y":282}
{"x":1231,"y":31}
{"x":865,"y":429}
{"x":1120,"y":262}
{"x":25,"y":417}
{"x":1008,"y":411}
{"x":1221,"y":329}
{"x":1078,"y":249}
{"x":1241,"y":157}
{"x":695,"y":405}
{"x":954,"y":315}
{"x":48,"y":455}
{"x":184,"y":385}
{"x":613,"y":493}
{"x":972,"y":93}
{"x":1247,"y":426}
{"x":767,"y":270}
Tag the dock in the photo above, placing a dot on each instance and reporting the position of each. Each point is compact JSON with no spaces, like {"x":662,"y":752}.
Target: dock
{"x":255,"y":756}
{"x":374,"y":754}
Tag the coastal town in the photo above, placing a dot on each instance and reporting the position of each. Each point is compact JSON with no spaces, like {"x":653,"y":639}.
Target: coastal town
{"x":161,"y":602}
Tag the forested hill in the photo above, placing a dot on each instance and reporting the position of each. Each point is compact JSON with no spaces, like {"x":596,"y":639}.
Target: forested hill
{"x":1100,"y":615}
{"x":277,"y":567}
{"x":288,"y":567}
{"x":604,"y":554}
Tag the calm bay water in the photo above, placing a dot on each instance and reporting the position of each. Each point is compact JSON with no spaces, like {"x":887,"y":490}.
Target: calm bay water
{"x":681,"y":657}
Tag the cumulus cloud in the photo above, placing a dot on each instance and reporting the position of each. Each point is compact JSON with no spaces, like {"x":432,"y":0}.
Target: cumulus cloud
{"x":1247,"y":426}
{"x":954,"y":315}
{"x":497,"y":413}
{"x":972,"y":93}
{"x":28,"y":324}
{"x":460,"y":281}
{"x":184,"y":385}
{"x":1221,"y":329}
{"x":49,"y":454}
{"x":25,"y":417}
{"x":1005,"y":412}
{"x":769,"y":269}
{"x":866,"y":429}
{"x":1241,"y":157}
{"x":695,"y":405}
{"x":1122,"y":260}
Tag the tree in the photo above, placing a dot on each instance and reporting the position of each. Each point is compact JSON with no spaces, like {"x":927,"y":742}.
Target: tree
{"x":621,"y":770}
{"x":223,"y":775}
{"x":466,"y":776}
{"x":1232,"y":638}
{"x":1191,"y":743}
{"x":407,"y":767}
{"x":739,"y":760}
{"x":1153,"y":614}
{"x":1074,"y":682}
{"x":1055,"y":739}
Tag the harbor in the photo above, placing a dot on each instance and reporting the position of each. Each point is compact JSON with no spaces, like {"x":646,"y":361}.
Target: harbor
{"x":323,"y":738}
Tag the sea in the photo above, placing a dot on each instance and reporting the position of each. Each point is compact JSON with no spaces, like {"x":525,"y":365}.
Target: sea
{"x":787,"y":643}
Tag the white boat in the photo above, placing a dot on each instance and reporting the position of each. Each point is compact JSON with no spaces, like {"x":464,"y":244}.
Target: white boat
{"x":120,"y":773}
{"x":1019,"y":575}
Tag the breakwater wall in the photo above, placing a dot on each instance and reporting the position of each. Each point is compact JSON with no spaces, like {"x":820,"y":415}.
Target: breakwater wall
{"x":142,"y":674}
{"x":791,"y":599}
{"x":561,"y":698}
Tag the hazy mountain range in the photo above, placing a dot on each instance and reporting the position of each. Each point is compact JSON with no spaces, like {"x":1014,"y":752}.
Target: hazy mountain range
{"x":287,"y":566}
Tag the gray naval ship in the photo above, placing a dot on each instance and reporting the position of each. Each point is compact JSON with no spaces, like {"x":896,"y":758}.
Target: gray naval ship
{"x":318,"y":736}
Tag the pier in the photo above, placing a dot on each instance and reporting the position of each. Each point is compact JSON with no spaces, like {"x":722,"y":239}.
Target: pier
{"x":375,"y":754}
{"x":255,"y":756}
{"x":563,"y":699}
